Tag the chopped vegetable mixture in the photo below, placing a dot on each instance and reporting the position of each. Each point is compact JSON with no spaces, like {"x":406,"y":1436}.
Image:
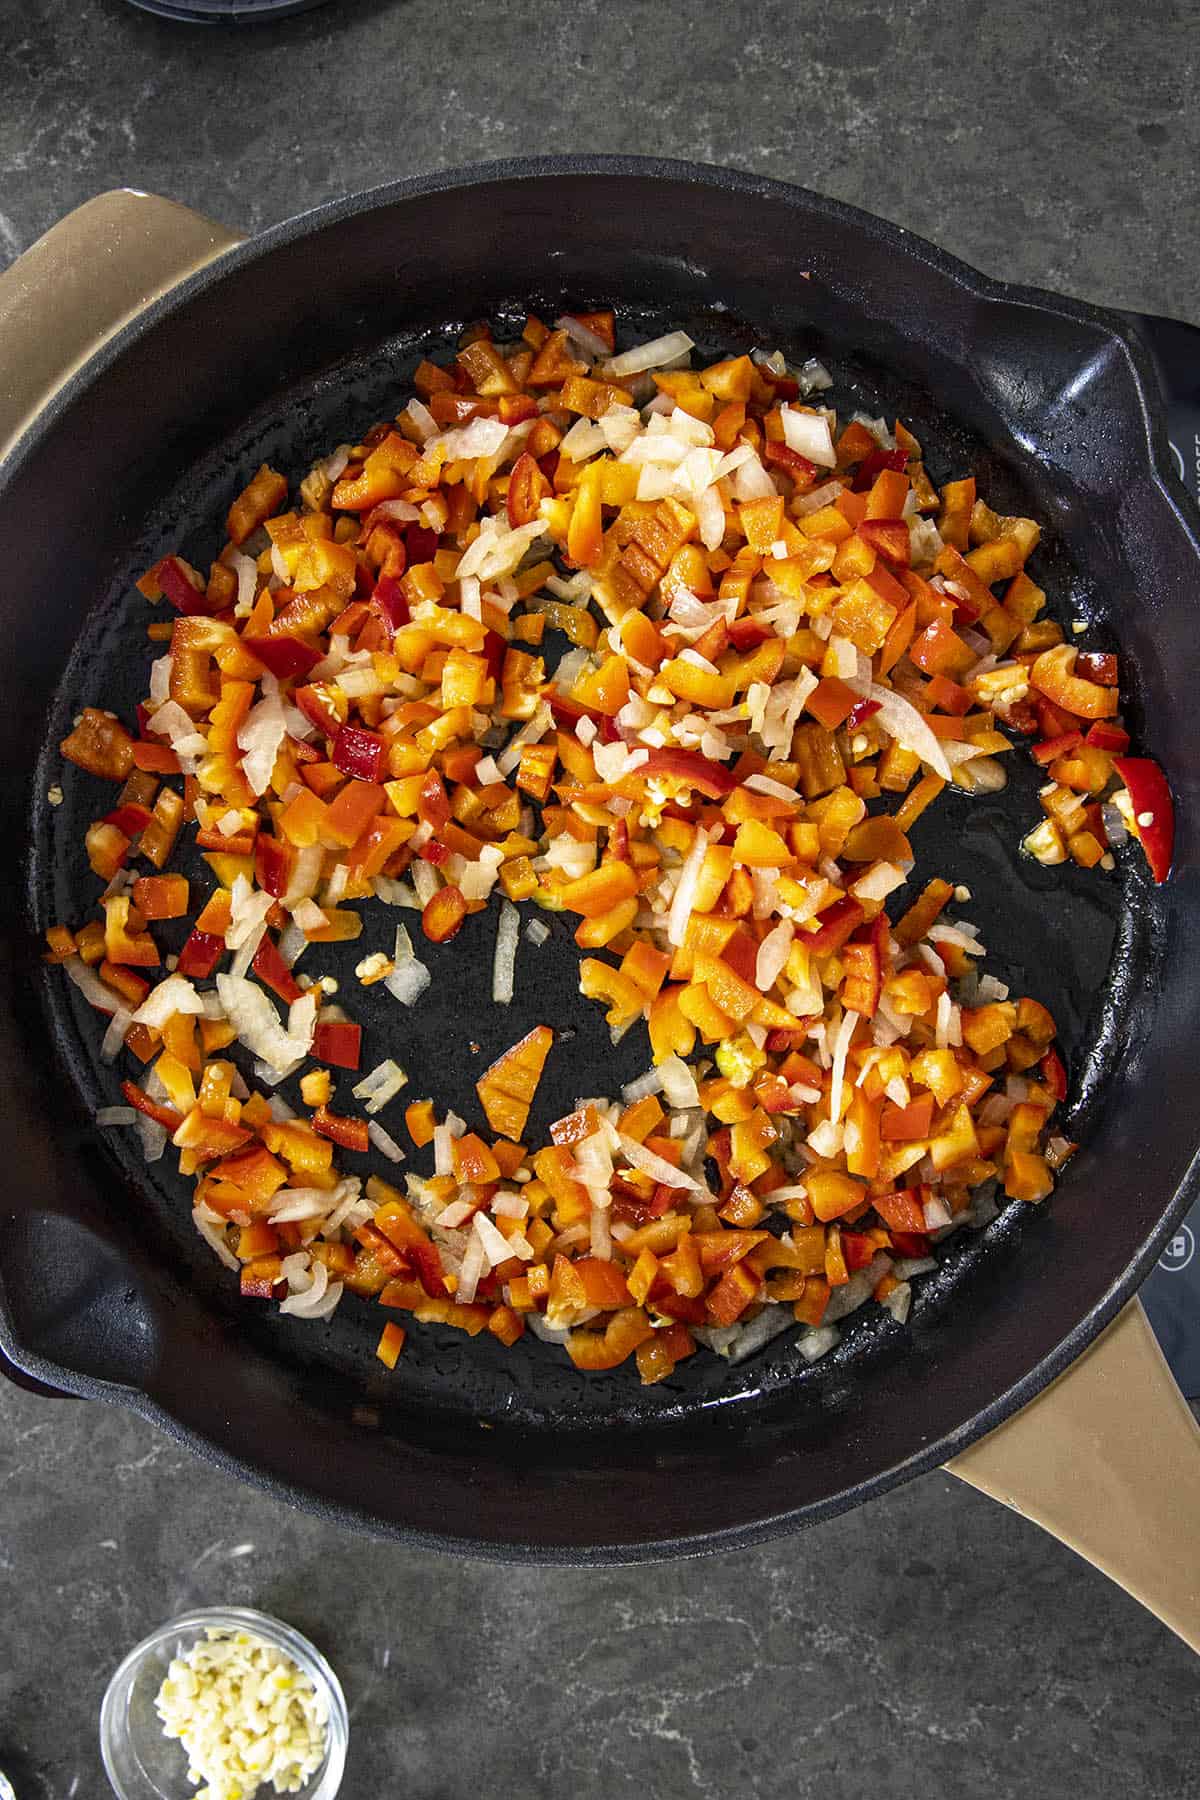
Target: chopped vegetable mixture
{"x":783,"y":644}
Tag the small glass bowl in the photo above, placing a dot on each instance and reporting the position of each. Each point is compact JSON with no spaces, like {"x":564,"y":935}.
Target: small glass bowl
{"x":143,"y":1764}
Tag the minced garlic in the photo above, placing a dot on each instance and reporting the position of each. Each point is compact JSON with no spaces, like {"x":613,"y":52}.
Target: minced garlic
{"x":245,"y":1714}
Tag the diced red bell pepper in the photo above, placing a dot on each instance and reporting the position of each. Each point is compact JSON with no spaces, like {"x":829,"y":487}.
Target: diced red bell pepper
{"x":130,"y":819}
{"x":165,"y":1116}
{"x":494,"y":647}
{"x":359,"y":753}
{"x":1153,"y":810}
{"x":270,"y":968}
{"x":434,"y":853}
{"x":782,"y":456}
{"x":433,"y":808}
{"x":351,"y":1134}
{"x":1051,"y":722}
{"x":888,"y":538}
{"x":902,"y":1212}
{"x":712,"y":779}
{"x":338,"y":1041}
{"x":154,"y":758}
{"x":1104,"y":735}
{"x":836,"y":924}
{"x":875,"y":463}
{"x":569,"y":712}
{"x":858,"y":1248}
{"x":200,"y":955}
{"x":421,"y":544}
{"x":273,"y":864}
{"x":388,"y":596}
{"x":316,"y":703}
{"x":181,"y":590}
{"x":1098,"y":666}
{"x":1049,"y":748}
{"x":286,"y":657}
{"x":746,"y":634}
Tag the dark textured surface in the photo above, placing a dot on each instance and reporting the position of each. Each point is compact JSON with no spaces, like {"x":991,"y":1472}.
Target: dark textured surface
{"x":929,"y":1638}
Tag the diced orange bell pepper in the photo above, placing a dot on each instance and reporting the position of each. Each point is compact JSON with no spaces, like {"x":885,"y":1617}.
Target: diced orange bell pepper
{"x":161,"y":896}
{"x":99,"y":744}
{"x":507,"y":1088}
{"x":601,"y":890}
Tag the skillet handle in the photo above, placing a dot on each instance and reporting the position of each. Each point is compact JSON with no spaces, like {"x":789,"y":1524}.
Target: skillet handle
{"x":1107,"y":1459}
{"x":80,"y":283}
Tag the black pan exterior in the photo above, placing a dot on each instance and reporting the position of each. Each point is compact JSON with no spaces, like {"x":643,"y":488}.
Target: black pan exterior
{"x":299,"y":338}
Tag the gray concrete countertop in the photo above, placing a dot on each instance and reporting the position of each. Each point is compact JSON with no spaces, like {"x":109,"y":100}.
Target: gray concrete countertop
{"x":930,"y":1642}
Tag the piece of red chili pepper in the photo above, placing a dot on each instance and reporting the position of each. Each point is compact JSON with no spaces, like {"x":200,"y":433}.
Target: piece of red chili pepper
{"x":860,"y":712}
{"x":1054,"y":1074}
{"x":1153,"y":810}
{"x":712,"y":779}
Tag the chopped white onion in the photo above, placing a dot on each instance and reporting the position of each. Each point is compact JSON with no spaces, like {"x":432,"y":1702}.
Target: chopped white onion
{"x":678,"y":1083}
{"x":772,"y":955}
{"x":94,"y":991}
{"x":407,"y":983}
{"x":580,"y":335}
{"x":260,"y":736}
{"x":258,"y":1027}
{"x":174,"y":995}
{"x":114,"y":1037}
{"x":214,"y":1237}
{"x":902,"y":721}
{"x":657,"y":1167}
{"x":809,"y":435}
{"x":384,"y":1142}
{"x":382,"y":1084}
{"x":508,"y":930}
{"x":653,"y":355}
{"x":117,"y":1115}
{"x":684,"y":896}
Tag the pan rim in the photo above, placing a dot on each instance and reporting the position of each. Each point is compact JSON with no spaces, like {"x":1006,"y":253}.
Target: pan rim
{"x":1161,"y":468}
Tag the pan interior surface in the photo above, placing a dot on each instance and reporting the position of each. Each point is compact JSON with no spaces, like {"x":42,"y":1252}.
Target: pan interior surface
{"x":464,"y":1439}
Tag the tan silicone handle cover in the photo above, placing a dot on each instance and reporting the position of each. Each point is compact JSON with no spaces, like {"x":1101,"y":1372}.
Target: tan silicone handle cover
{"x":1108,"y":1460}
{"x":80,"y":283}
{"x":1108,"y":1457}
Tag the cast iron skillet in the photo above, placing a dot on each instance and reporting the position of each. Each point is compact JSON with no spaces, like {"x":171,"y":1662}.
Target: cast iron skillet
{"x":302,"y":337}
